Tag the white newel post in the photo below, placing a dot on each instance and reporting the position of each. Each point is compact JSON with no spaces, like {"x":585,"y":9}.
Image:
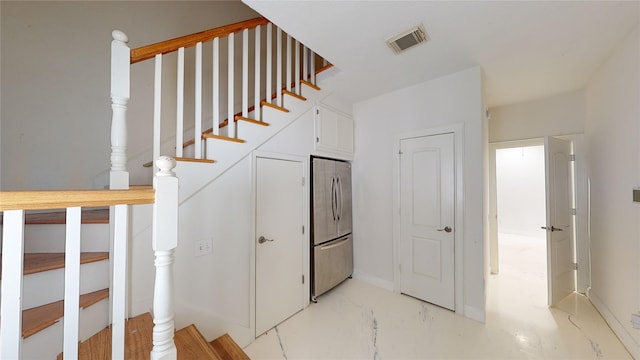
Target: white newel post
{"x":120,"y":70}
{"x":165,"y":240}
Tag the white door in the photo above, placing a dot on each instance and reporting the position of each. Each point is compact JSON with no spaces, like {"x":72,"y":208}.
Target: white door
{"x":560,"y":247}
{"x":427,"y":185}
{"x":279,"y":239}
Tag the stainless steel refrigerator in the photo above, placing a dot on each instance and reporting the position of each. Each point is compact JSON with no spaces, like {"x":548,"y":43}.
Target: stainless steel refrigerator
{"x":331,"y":221}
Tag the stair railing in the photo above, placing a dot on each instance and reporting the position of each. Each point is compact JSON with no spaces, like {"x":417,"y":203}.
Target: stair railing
{"x":14,"y":204}
{"x":294,"y":64}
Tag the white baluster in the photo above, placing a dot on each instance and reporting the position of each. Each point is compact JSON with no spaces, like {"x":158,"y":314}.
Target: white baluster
{"x":256,"y":82}
{"x":71,"y":320}
{"x":296,"y":68}
{"x":180,"y":103}
{"x":312,"y":71}
{"x":288,"y":65}
{"x":305,"y":64}
{"x":157,"y":106}
{"x":216,"y":86}
{"x":245,"y":73}
{"x":230,"y":89}
{"x":198,"y":103}
{"x":268,"y":63}
{"x":119,"y":287}
{"x":120,"y":77}
{"x":279,"y":67}
{"x":165,"y":240}
{"x":11,"y":288}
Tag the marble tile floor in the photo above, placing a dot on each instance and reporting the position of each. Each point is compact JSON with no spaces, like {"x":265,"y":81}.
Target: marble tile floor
{"x":357,"y":320}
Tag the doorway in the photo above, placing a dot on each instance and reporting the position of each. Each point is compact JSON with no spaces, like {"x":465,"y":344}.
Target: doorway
{"x":429,"y":224}
{"x":520,"y":193}
{"x":563,"y":197}
{"x":280,"y":239}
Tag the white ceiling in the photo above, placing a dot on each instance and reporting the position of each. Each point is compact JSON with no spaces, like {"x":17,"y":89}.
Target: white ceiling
{"x":527,"y":49}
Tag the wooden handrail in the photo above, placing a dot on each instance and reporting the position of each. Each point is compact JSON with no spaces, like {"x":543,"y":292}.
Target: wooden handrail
{"x":167,"y":46}
{"x":59,"y":199}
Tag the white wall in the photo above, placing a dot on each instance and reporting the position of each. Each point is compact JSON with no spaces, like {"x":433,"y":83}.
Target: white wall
{"x":521,"y":190}
{"x":555,"y":115}
{"x":55,"y":81}
{"x":453,"y":99}
{"x":612,"y":130}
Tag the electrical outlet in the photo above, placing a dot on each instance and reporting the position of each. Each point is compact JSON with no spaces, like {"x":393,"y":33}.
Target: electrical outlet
{"x":203,"y":247}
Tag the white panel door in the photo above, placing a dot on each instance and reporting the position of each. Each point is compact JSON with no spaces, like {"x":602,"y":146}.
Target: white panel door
{"x":279,"y":239}
{"x":427,"y":237}
{"x":560,"y":244}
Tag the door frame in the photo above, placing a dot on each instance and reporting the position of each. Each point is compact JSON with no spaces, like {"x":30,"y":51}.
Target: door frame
{"x":306,"y":293}
{"x":458,"y":140}
{"x":583,"y":275}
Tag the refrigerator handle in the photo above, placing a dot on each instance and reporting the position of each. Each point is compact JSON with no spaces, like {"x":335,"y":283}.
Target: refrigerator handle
{"x":333,"y":189}
{"x":338,"y":198}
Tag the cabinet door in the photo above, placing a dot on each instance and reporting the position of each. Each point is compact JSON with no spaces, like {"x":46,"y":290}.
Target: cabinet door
{"x":345,"y":134}
{"x":327,"y":129}
{"x":334,"y":131}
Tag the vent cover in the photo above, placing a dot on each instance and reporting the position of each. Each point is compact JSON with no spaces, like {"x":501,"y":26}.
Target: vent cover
{"x":408,"y":39}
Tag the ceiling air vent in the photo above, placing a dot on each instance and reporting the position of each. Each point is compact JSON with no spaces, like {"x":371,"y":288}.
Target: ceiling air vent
{"x":408,"y":39}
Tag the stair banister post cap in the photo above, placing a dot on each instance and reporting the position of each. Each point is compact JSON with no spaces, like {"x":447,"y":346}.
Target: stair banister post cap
{"x":166,"y":164}
{"x":120,"y":36}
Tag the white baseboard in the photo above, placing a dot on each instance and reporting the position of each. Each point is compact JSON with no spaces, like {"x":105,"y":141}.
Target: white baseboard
{"x":385,"y":284}
{"x":614,"y":323}
{"x":474,"y":313}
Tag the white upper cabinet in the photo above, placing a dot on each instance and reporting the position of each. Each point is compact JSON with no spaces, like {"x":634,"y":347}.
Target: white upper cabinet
{"x":334,"y":132}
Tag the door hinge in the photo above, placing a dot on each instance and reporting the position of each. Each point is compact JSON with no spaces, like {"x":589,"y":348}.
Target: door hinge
{"x":572,"y":157}
{"x":303,"y":278}
{"x":303,"y":229}
{"x":573,"y":211}
{"x":317,"y":111}
{"x":575,"y":266}
{"x":399,"y":152}
{"x":317,"y":139}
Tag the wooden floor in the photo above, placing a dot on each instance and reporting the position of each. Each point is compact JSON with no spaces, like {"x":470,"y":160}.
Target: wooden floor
{"x":190,"y":343}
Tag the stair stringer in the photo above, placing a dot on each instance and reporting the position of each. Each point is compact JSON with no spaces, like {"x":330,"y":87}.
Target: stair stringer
{"x":195,"y":176}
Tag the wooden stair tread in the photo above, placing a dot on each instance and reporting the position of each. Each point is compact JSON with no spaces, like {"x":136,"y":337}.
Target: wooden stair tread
{"x":290,"y":93}
{"x":252,"y":121}
{"x":268,"y":104}
{"x":89,"y":216}
{"x":39,"y":262}
{"x":206,"y":161}
{"x":41,"y":317}
{"x":192,"y":345}
{"x":324,"y":68}
{"x":228,"y":349}
{"x":220,"y":137}
{"x":138,"y":341}
{"x":309,"y":84}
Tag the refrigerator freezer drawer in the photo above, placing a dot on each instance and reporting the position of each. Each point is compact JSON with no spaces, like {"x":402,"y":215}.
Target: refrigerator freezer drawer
{"x":333,"y":263}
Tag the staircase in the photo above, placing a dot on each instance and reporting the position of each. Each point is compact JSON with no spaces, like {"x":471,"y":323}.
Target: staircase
{"x":283,"y":73}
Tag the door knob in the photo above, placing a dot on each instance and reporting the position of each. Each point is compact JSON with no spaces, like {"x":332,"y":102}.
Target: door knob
{"x":552,"y":228}
{"x":262,"y":240}
{"x":446,"y":229}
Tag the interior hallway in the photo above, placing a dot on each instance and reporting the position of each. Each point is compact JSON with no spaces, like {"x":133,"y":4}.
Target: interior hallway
{"x":357,"y":321}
